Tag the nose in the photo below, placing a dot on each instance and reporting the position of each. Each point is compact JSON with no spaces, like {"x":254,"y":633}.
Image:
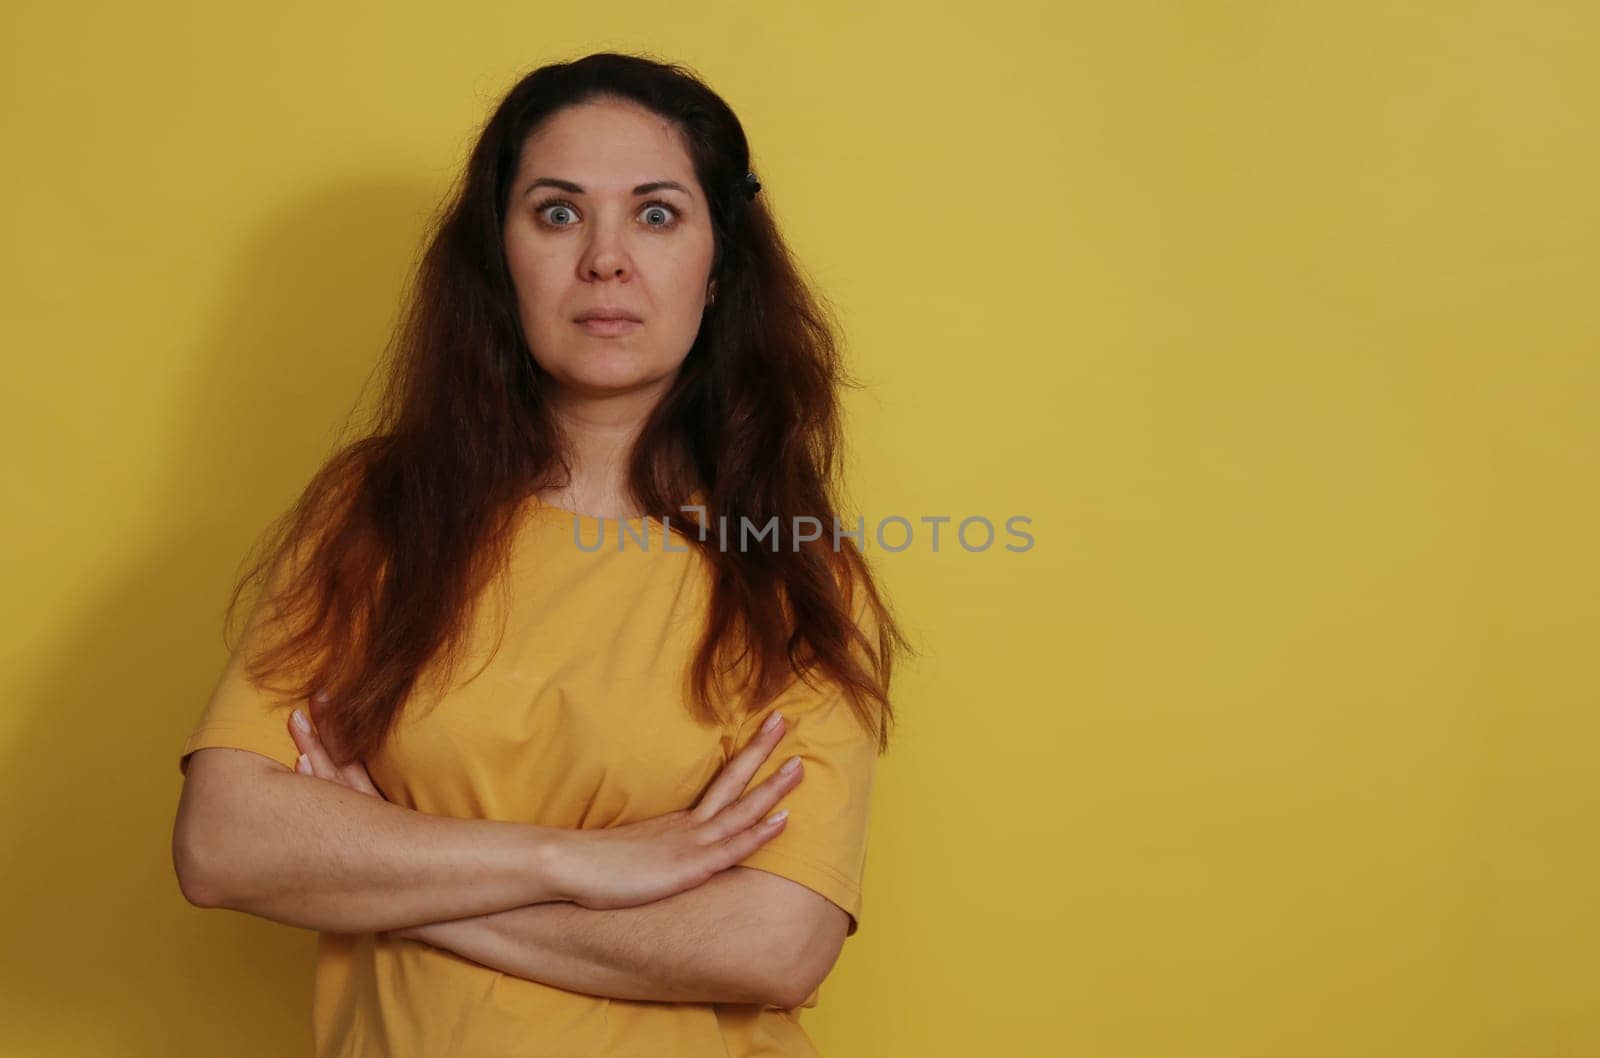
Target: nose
{"x":605,"y":256}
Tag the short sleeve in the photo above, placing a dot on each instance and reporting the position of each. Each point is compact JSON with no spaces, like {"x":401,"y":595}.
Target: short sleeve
{"x":823,"y":844}
{"x":241,"y":715}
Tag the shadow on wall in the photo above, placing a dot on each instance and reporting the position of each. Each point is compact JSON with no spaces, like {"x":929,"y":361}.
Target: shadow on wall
{"x":104,"y":955}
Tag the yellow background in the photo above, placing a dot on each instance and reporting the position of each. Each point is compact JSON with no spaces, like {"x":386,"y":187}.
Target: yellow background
{"x":1276,"y":318}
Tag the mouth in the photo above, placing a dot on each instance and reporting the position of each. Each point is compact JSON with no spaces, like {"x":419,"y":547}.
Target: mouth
{"x":607,"y":312}
{"x":606,"y":326}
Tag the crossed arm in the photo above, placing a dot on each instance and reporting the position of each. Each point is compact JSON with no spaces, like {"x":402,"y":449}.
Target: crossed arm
{"x":743,"y":936}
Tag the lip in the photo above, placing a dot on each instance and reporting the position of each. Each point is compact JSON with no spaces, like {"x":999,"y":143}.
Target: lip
{"x":605,"y":327}
{"x":607,"y":312}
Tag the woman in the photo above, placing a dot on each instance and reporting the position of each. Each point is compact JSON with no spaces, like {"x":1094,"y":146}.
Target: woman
{"x":539,"y":820}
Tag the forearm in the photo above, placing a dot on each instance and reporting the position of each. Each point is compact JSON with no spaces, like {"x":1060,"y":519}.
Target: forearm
{"x":709,"y":944}
{"x":321,"y":856}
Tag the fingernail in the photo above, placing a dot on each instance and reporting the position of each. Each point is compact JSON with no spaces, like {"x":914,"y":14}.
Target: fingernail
{"x":778,"y":817}
{"x":772,"y":722}
{"x":303,"y":765}
{"x":301,"y":722}
{"x":793,"y":763}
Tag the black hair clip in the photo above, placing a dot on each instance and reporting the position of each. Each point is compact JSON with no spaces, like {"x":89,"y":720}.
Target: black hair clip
{"x":751,"y":185}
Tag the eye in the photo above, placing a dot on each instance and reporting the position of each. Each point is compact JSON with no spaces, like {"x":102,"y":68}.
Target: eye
{"x":551,"y":211}
{"x":558,"y":205}
{"x":659,"y":209}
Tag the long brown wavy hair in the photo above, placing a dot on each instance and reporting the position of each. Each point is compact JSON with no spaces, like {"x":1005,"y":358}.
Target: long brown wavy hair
{"x":375,"y":571}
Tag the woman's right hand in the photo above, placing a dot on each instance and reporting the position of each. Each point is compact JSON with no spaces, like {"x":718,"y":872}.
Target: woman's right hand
{"x":636,"y":863}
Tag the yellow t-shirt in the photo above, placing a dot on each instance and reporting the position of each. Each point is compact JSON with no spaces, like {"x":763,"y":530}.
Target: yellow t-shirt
{"x":578,"y":721}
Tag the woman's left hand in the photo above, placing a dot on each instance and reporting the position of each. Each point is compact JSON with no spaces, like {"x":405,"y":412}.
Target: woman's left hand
{"x":317,"y":762}
{"x":315,"y":759}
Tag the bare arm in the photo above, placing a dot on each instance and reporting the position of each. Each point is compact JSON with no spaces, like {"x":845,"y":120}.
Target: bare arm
{"x":735,"y":935}
{"x":744,"y":936}
{"x":254,"y":836}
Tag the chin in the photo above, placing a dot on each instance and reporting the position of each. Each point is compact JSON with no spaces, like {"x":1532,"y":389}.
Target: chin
{"x":598,"y":374}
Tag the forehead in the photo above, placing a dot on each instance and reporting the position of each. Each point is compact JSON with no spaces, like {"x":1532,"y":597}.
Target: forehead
{"x":607,"y":146}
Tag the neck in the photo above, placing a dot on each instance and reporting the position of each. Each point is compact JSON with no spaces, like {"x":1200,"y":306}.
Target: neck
{"x":598,"y":435}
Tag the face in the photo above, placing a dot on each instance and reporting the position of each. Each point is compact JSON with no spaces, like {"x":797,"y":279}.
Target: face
{"x":584,"y":231}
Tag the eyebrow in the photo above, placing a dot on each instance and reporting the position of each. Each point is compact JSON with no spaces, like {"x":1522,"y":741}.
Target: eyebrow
{"x":642,"y":189}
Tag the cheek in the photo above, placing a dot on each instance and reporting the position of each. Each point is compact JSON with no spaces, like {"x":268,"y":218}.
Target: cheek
{"x":538,"y":297}
{"x":685,"y":290}
{"x":533,"y":271}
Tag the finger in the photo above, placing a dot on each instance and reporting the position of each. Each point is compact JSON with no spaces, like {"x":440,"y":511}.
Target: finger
{"x":317,"y":711}
{"x":316,"y":708}
{"x":734,"y":849}
{"x":353,"y":775}
{"x":322,"y":765}
{"x":736,"y":774}
{"x":750,"y":809}
{"x":357,"y":778}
